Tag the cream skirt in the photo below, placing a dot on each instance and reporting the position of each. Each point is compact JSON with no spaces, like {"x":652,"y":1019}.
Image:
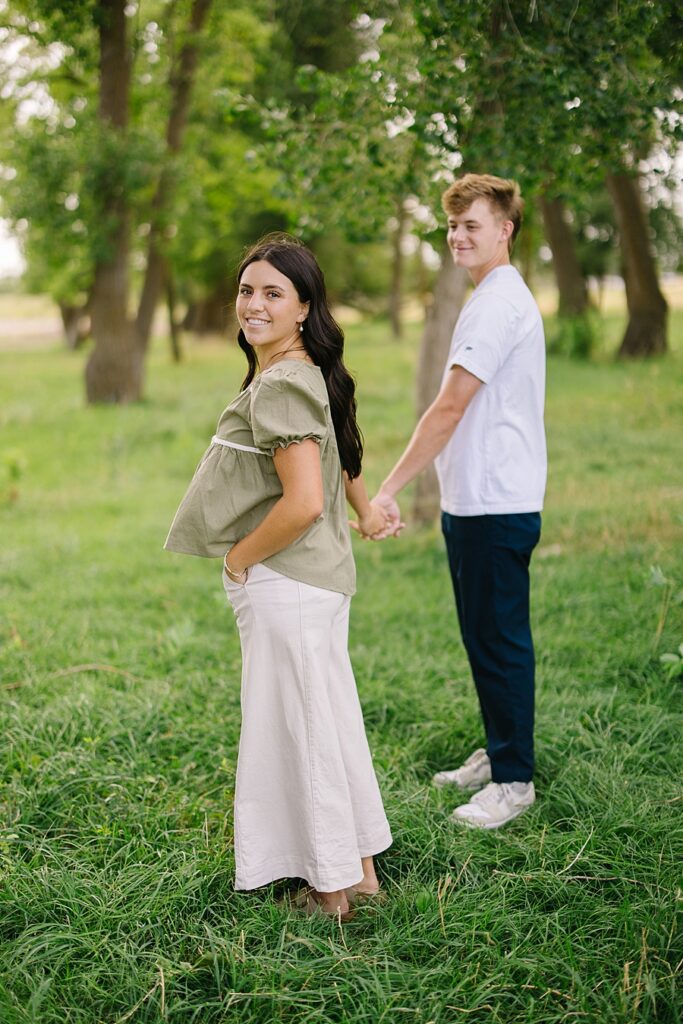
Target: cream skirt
{"x":307,"y":803}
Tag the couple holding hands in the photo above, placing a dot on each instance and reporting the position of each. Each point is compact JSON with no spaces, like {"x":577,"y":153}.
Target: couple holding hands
{"x":270,"y":497}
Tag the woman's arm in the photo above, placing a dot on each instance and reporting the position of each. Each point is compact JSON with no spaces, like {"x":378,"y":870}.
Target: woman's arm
{"x":300,"y":473}
{"x":371,"y":518}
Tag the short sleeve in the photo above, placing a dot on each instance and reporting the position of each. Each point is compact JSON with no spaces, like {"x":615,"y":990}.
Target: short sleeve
{"x":286,"y":410}
{"x":483,"y":336}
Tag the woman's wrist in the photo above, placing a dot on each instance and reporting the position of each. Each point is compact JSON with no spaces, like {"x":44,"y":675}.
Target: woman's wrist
{"x":234,"y":570}
{"x":362,"y":507}
{"x":365,"y":515}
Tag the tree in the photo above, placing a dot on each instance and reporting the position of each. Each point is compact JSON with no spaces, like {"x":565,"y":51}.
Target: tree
{"x":181,"y":79}
{"x":112,"y":373}
{"x":115,"y":369}
{"x":363,"y":162}
{"x":575,"y":334}
{"x":586,"y":88}
{"x":229,"y":192}
{"x":440,"y":319}
{"x":571,"y":283}
{"x":117,"y":80}
{"x":646,"y":331}
{"x":188,"y":211}
{"x":234,"y":193}
{"x":44,"y":155}
{"x":595,"y":234}
{"x":219,"y":200}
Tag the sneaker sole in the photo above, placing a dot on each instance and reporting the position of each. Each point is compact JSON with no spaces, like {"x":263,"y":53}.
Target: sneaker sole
{"x":489,"y":824}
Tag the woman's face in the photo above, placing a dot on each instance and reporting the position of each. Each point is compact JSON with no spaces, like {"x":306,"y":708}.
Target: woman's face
{"x":268,"y":308}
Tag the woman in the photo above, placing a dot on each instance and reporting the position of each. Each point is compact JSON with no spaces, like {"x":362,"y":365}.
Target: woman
{"x":269,"y":496}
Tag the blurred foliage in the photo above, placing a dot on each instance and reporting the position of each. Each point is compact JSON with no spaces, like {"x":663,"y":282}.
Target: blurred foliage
{"x":595,"y":232}
{"x":345,"y":147}
{"x":322,"y":117}
{"x":572,"y":337}
{"x":551,"y":93}
{"x":667,"y":231}
{"x":552,"y":96}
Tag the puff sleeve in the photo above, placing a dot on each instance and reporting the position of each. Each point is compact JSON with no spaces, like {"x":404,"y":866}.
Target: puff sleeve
{"x":286,"y":410}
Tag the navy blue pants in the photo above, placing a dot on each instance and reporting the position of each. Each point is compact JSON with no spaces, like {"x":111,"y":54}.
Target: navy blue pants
{"x":489,"y":561}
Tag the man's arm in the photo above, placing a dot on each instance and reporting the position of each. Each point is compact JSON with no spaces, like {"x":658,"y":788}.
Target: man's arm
{"x":431,"y":434}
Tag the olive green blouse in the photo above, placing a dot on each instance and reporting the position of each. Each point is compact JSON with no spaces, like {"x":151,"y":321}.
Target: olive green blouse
{"x":235,"y":485}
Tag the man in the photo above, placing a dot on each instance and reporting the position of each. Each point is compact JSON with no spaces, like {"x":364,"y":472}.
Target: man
{"x":485,"y":430}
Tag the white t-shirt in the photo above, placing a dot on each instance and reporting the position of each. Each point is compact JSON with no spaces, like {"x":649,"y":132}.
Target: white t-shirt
{"x":496,"y":461}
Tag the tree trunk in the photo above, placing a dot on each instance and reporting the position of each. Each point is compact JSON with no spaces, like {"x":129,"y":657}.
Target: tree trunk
{"x":647,"y":308}
{"x":441,"y":315}
{"x":211,"y":315}
{"x":571,"y":284}
{"x":111,"y":371}
{"x":173,"y":328}
{"x":397,"y":262}
{"x":526,"y":248}
{"x":181,"y":81}
{"x":76,"y":324}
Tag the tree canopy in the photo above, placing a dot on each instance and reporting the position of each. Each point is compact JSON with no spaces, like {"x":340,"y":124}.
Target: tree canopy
{"x":151,"y":140}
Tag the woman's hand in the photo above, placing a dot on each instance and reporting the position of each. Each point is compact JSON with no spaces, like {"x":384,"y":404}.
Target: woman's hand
{"x":376,"y":520}
{"x":372,"y":522}
{"x":382,"y":520}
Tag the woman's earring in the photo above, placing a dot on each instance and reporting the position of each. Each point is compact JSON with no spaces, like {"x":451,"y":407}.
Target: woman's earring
{"x":301,"y":328}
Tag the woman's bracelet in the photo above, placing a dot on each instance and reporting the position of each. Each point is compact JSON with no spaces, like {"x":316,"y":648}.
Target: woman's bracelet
{"x":236,"y":577}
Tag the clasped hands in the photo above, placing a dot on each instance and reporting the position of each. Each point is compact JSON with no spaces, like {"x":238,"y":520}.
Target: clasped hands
{"x":383,"y":520}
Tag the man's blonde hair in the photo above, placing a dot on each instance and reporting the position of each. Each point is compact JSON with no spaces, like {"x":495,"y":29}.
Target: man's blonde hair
{"x":502,"y":194}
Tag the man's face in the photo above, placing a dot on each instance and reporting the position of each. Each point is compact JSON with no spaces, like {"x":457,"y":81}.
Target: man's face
{"x":478,"y":238}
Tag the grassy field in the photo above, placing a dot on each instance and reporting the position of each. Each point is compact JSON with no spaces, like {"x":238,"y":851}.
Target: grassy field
{"x":119,"y":689}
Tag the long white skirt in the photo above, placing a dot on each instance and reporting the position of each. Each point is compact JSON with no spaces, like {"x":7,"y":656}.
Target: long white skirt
{"x":307,"y":803}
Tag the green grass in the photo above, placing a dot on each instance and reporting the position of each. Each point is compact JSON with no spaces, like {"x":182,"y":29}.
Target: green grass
{"x":116,"y":863}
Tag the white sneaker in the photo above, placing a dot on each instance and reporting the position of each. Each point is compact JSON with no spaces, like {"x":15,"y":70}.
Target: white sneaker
{"x":496,"y":804}
{"x":473,"y":774}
